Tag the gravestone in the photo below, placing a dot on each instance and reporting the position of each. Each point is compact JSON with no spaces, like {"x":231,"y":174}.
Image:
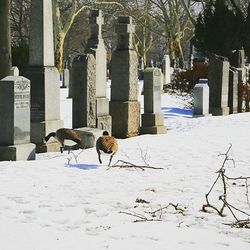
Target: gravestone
{"x":84,"y":91}
{"x":233,"y":90}
{"x":15,"y":119}
{"x":166,"y":69}
{"x":237,"y":58}
{"x":14,"y":71}
{"x":201,"y":98}
{"x":124,"y":105}
{"x":218,"y":81}
{"x":242,"y":79}
{"x":152,"y":119}
{"x":89,"y":136}
{"x":44,"y":77}
{"x":96,"y":47}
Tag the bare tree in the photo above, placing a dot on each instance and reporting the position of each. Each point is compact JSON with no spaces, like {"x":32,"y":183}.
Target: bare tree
{"x":167,"y":19}
{"x":20,"y":21}
{"x":64,"y":14}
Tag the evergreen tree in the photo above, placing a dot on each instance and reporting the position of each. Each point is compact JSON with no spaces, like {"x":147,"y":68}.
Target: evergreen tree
{"x":219,"y":29}
{"x":246,"y":40}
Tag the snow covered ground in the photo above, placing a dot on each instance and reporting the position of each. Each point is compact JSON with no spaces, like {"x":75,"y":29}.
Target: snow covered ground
{"x":49,"y":205}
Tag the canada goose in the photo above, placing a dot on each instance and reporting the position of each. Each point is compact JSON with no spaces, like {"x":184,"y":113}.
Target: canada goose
{"x":66,"y":137}
{"x":108,"y":144}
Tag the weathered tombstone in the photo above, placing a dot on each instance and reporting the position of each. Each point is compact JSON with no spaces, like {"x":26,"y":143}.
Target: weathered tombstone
{"x":14,"y":71}
{"x":201,"y":98}
{"x":166,"y":69}
{"x":15,"y":120}
{"x":65,"y":78}
{"x":124,"y":105}
{"x":44,"y":77}
{"x":152,"y":119}
{"x":218,"y":81}
{"x":96,"y":47}
{"x":84,"y":91}
{"x":237,"y":58}
{"x":89,"y":136}
{"x":233,"y":90}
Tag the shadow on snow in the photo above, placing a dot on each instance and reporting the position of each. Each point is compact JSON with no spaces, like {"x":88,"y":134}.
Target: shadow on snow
{"x":82,"y":166}
{"x":176,"y":112}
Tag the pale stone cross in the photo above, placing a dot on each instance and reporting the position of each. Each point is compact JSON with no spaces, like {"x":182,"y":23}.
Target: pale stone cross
{"x":97,"y":21}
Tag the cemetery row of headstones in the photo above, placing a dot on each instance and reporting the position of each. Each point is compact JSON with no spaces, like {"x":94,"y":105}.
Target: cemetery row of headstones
{"x":218,"y":95}
{"x":30,"y":105}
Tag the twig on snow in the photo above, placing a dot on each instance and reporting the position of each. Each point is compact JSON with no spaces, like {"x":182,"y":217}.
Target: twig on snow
{"x":126,"y":164}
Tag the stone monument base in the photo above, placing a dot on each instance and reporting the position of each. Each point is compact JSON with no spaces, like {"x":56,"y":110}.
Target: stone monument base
{"x":48,"y":147}
{"x":153,"y":123}
{"x":126,"y":117}
{"x":89,"y":136}
{"x":20,"y":152}
{"x":152,"y":119}
{"x":219,"y":111}
{"x":39,"y":130}
{"x":233,"y":110}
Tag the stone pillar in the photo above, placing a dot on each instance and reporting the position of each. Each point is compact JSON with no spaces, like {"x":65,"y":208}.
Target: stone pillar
{"x":242,"y":79}
{"x":166,"y":69}
{"x":96,"y":47}
{"x":15,"y":120}
{"x":233,"y":90}
{"x":152,"y":119}
{"x":218,"y":80}
{"x":124,"y":105}
{"x":44,"y":77}
{"x":237,"y":60}
{"x":84,"y":91}
{"x":201,"y":98}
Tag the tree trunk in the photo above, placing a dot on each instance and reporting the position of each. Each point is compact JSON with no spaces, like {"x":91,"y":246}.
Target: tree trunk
{"x":59,"y":51}
{"x":5,"y":39}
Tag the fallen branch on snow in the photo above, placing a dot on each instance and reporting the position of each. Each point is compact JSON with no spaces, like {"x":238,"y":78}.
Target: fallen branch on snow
{"x":155,"y":215}
{"x":126,"y":164}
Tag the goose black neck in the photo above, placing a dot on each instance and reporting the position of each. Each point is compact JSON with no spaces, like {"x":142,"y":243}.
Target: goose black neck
{"x":52,"y":134}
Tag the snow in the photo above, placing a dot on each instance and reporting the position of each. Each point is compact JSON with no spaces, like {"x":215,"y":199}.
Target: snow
{"x":48,"y":204}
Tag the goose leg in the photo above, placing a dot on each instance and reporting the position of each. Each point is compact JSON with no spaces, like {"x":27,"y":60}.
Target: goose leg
{"x":110,"y":159}
{"x":99,"y":157}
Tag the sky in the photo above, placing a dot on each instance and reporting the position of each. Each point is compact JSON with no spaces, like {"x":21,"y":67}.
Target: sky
{"x":50,"y":204}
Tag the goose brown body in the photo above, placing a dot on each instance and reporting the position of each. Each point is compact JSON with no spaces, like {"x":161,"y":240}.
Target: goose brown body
{"x":107,"y":144}
{"x":66,"y":137}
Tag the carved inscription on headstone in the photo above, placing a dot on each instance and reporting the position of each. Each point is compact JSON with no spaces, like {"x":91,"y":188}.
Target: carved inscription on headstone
{"x":22,"y":94}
